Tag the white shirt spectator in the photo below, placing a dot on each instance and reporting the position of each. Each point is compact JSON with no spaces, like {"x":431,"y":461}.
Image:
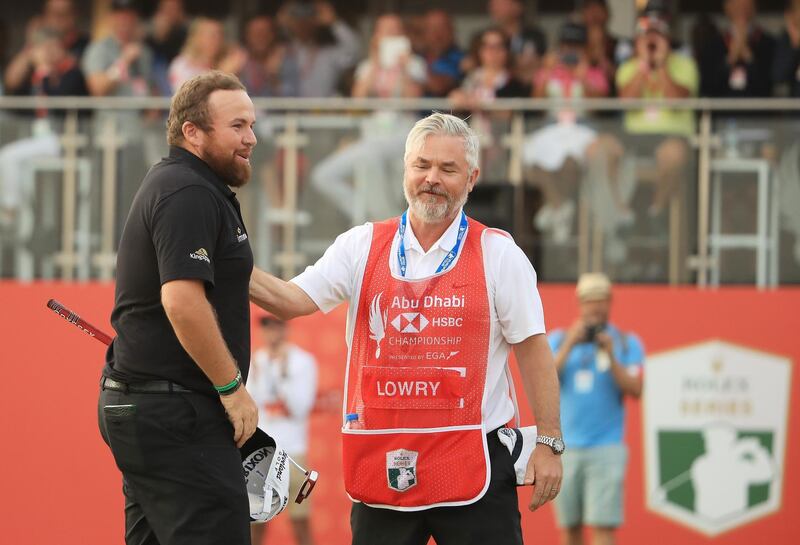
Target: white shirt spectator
{"x":284,"y":390}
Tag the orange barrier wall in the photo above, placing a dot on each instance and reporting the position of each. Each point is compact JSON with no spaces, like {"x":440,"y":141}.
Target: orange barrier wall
{"x":60,"y":485}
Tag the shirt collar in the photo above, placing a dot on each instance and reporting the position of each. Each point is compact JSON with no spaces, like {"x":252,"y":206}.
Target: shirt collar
{"x":445,"y":242}
{"x":201,"y":167}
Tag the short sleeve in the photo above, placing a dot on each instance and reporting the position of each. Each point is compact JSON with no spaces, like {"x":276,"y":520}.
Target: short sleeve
{"x":625,"y":73}
{"x":185,"y":226}
{"x":331,"y":280}
{"x":516,"y":297}
{"x":683,"y":70}
{"x":632,"y":354}
{"x":94,"y":60}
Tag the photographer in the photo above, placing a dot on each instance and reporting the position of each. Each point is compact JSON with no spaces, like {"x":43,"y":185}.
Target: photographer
{"x":598,"y":365}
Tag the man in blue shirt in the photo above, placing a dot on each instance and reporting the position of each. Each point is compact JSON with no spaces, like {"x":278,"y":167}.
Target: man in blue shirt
{"x":598,"y":365}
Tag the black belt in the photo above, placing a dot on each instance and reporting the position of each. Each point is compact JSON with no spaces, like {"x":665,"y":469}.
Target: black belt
{"x":149,"y":387}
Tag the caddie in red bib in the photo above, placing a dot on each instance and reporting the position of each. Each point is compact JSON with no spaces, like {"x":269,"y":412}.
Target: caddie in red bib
{"x":415,"y":412}
{"x":436,"y":303}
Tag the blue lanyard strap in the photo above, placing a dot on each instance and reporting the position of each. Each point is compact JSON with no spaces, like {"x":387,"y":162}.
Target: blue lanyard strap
{"x":448,"y":259}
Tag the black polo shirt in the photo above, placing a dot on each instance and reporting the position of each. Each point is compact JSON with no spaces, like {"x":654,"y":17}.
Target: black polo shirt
{"x":184,"y":223}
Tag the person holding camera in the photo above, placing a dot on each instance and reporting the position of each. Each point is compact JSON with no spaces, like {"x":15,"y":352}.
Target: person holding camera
{"x":391,"y":70}
{"x":598,"y":365}
{"x":554,"y":154}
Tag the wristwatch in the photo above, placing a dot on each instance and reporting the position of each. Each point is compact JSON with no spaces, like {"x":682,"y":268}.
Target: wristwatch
{"x":556,"y":444}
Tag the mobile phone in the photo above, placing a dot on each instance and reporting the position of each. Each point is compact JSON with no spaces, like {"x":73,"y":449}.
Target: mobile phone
{"x":391,"y":49}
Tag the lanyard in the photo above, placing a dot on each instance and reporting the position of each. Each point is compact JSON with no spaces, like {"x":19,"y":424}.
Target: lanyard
{"x":448,"y":259}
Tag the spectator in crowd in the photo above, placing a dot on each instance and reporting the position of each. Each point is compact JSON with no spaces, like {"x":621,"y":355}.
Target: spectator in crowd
{"x":267,"y":71}
{"x":598,"y":365}
{"x":205,"y":49}
{"x":120,"y":64}
{"x":390,"y":71}
{"x":55,"y":72}
{"x":59,"y":16}
{"x":741,"y":66}
{"x":555,"y":153}
{"x":528,"y":43}
{"x":283,"y":384}
{"x":321,"y":45}
{"x":657,"y":71}
{"x":166,"y":36}
{"x":603,"y":49}
{"x":786,"y":68}
{"x":493,"y":77}
{"x":441,"y":54}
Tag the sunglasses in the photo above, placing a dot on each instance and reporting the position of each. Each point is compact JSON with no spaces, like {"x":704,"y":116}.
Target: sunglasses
{"x":308,"y":483}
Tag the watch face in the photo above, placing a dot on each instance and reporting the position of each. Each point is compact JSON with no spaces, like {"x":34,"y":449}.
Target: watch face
{"x":558,"y":446}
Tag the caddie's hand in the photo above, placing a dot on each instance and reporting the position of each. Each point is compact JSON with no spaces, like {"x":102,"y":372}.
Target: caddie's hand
{"x":544,"y":472}
{"x":243,"y":414}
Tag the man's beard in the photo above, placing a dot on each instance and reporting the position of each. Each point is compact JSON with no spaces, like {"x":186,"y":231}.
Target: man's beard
{"x":429,"y":208}
{"x":227,"y":166}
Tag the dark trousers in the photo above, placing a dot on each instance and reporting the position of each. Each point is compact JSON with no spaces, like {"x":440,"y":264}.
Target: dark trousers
{"x":181,"y":471}
{"x":494,"y":519}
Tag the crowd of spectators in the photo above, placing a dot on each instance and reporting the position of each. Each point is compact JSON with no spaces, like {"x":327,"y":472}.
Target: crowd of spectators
{"x":304,"y":49}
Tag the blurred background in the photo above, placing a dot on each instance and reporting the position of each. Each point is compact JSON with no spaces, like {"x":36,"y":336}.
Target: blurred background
{"x":684,"y":189}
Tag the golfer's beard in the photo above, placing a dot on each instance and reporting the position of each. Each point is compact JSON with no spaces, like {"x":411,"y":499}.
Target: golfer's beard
{"x":428,"y":208}
{"x":232,"y":172}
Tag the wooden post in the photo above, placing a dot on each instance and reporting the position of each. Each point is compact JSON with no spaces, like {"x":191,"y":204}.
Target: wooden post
{"x":290,"y":141}
{"x":71,"y":141}
{"x":514,"y":141}
{"x":110,"y":143}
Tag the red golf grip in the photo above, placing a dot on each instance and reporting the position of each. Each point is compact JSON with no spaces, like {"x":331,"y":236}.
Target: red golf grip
{"x":79,"y":322}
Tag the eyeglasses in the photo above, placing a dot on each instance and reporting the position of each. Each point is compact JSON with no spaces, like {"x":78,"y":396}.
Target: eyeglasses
{"x":308,"y":483}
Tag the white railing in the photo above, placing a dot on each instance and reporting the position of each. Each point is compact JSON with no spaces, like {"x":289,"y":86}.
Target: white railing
{"x":87,"y":245}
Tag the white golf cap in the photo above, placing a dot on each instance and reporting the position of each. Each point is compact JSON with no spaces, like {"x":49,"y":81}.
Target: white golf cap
{"x":266,"y":471}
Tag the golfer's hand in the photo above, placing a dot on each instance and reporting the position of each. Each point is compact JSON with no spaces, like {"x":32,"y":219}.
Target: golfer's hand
{"x":544,"y":473}
{"x":243,"y":414}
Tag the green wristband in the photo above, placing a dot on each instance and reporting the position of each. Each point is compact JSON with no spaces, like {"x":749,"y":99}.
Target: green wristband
{"x":232,"y":386}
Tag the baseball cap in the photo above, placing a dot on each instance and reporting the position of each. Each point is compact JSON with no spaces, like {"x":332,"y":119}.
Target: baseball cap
{"x":593,"y":286}
{"x":266,"y":471}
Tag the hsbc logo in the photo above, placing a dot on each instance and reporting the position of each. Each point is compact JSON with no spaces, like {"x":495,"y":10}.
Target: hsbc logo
{"x":410,"y":322}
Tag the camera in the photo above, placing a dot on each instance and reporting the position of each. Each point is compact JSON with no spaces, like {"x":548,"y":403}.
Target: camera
{"x":592,"y":331}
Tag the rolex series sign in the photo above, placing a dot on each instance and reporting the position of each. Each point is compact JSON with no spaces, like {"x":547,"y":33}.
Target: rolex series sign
{"x":715,"y":417}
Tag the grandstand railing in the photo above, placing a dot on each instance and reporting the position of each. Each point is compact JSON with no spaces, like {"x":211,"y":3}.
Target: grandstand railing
{"x":103,"y":157}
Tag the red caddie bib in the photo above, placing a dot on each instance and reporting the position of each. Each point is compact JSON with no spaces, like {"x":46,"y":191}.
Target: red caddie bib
{"x":416,"y":376}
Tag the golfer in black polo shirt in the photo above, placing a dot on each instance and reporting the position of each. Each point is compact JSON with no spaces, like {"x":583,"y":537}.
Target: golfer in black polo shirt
{"x":172,"y":406}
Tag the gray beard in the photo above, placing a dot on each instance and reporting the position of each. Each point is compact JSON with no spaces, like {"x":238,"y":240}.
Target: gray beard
{"x":429,"y":210}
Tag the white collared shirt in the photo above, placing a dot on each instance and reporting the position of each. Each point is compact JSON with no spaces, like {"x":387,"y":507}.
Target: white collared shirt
{"x":516,"y":314}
